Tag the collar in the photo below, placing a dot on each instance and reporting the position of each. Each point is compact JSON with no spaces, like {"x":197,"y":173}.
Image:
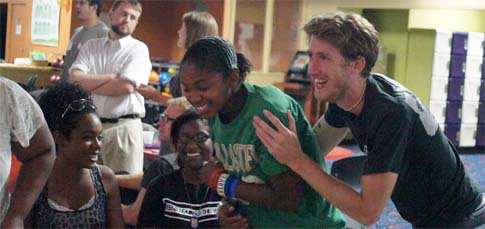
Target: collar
{"x":123,"y":42}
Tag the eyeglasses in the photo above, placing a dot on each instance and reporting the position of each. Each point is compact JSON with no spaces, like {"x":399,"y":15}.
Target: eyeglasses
{"x":198,"y":139}
{"x":165,"y":118}
{"x":78,"y":105}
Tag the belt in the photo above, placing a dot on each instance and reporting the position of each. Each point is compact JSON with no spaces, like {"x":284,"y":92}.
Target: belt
{"x":115,"y":120}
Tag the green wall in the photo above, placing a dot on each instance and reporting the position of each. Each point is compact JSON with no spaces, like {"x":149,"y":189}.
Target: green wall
{"x":456,"y":20}
{"x":408,"y":36}
{"x":420,"y":62}
{"x":392,"y":27}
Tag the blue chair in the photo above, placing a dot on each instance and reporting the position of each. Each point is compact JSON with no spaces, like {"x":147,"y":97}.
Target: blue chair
{"x":349,"y":170}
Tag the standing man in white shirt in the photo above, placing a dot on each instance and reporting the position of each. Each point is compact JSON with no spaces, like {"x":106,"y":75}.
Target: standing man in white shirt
{"x":111,"y":68}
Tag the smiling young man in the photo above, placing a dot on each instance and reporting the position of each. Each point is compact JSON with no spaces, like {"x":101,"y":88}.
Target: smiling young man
{"x":111,"y":68}
{"x":409,"y":159}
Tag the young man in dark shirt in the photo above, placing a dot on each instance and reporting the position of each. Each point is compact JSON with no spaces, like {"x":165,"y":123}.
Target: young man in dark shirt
{"x":410,"y":160}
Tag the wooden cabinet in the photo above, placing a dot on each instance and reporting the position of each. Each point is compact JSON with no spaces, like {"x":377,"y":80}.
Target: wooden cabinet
{"x":18,"y":41}
{"x":22,"y":73}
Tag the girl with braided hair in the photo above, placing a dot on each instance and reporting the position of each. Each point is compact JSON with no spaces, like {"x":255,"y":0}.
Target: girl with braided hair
{"x":212,"y":77}
{"x":79,"y":193}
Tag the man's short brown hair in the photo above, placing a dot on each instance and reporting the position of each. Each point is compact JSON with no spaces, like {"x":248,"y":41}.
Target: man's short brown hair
{"x":135,"y":3}
{"x":350,"y":33}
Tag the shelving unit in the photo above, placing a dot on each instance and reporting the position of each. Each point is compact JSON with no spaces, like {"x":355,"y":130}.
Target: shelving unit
{"x":457,"y":97}
{"x":163,"y":65}
{"x":153,"y":108}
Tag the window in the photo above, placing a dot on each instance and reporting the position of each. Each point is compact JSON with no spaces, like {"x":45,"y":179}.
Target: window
{"x":267,"y":32}
{"x":284,"y":39}
{"x":249,"y":30}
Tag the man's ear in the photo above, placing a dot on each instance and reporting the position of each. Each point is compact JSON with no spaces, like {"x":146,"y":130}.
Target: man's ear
{"x":96,"y":6}
{"x":359,"y":64}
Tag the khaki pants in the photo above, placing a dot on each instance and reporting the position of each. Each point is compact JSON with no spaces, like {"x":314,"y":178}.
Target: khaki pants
{"x":122,"y":146}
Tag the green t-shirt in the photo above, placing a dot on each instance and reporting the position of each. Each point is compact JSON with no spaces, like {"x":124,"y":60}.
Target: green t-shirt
{"x":244,"y":156}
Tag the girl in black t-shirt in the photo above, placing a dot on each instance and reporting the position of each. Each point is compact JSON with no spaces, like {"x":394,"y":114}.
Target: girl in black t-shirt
{"x":180,"y":199}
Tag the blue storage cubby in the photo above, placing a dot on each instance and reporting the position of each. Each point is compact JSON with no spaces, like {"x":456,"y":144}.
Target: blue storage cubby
{"x":481,"y":113}
{"x":458,"y":43}
{"x":482,"y":90}
{"x":455,"y":89}
{"x":452,"y":131}
{"x":453,"y":112}
{"x":480,"y":135}
{"x":457,"y":66}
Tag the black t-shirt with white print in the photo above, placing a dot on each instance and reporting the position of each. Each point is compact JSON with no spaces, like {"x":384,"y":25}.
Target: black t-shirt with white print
{"x":166,"y":204}
{"x":400,"y":135}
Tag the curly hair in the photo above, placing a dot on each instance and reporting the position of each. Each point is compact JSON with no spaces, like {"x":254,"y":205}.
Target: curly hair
{"x":350,"y":33}
{"x":55,"y":104}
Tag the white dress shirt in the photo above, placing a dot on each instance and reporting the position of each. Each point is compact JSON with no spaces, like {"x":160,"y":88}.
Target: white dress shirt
{"x":129,"y":58}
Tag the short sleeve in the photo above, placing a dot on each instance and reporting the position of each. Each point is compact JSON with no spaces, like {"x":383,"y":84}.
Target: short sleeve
{"x":24,"y":114}
{"x":305,"y":135}
{"x":159,"y":166}
{"x":137,"y":68}
{"x":269,"y":165}
{"x":82,"y":60}
{"x":387,"y":144}
{"x":152,"y":207}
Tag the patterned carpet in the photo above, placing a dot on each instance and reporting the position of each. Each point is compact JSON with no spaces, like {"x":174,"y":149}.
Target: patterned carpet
{"x":473,"y":159}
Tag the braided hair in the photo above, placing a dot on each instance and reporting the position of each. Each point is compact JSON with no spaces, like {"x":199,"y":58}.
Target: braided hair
{"x":216,"y":54}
